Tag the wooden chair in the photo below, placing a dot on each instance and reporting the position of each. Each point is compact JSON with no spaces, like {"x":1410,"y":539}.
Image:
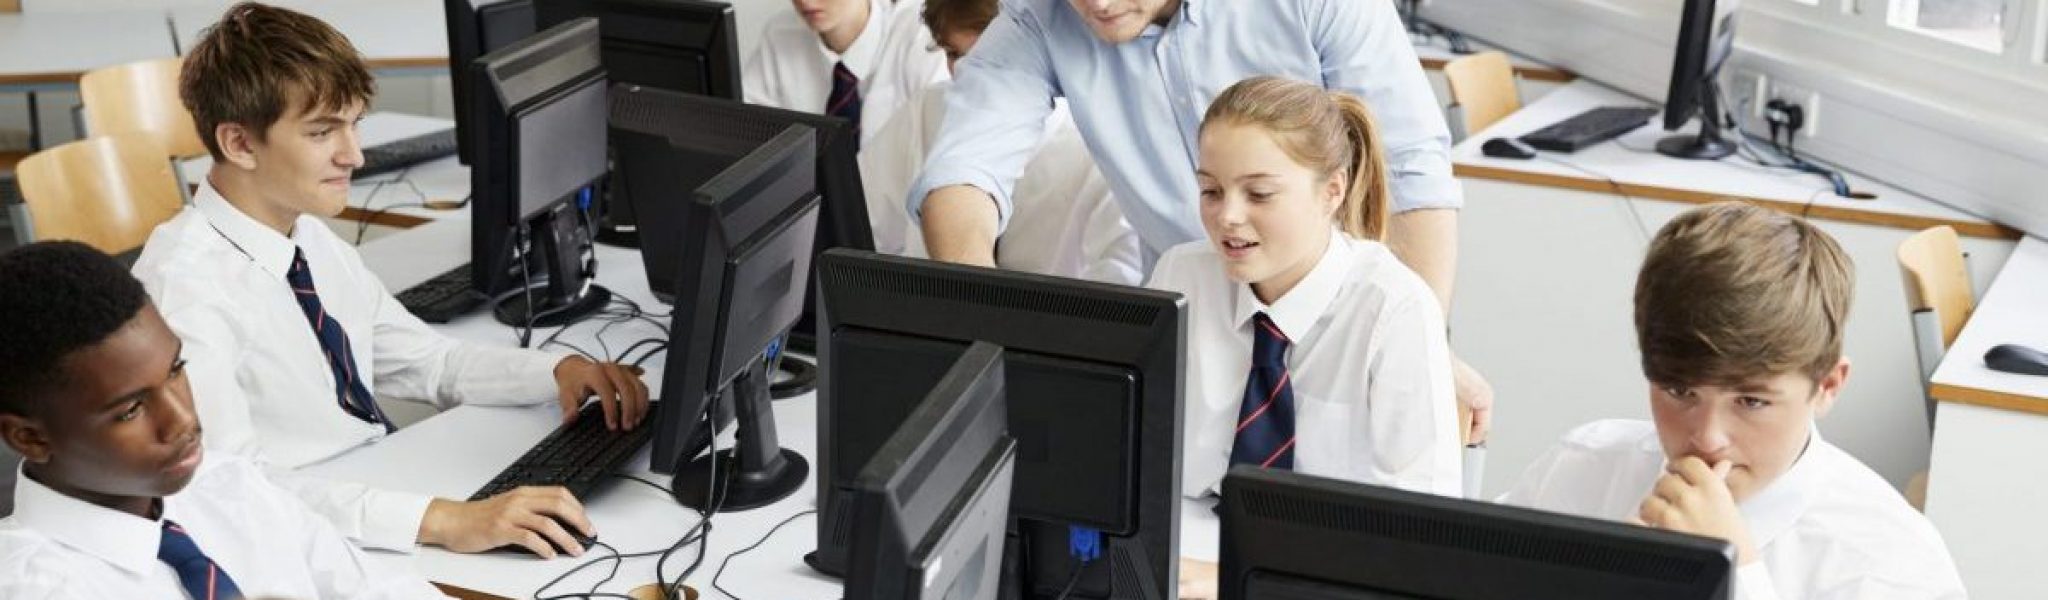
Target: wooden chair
{"x":141,"y":97}
{"x":1939,"y":298}
{"x":106,"y":191}
{"x":1483,"y":89}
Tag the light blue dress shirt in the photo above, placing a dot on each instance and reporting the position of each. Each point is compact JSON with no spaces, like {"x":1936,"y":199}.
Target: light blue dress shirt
{"x":1139,"y":104}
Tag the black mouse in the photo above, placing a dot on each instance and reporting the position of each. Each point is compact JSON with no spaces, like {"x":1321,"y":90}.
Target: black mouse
{"x":1507,"y":148}
{"x":2014,"y":358}
{"x":586,"y":541}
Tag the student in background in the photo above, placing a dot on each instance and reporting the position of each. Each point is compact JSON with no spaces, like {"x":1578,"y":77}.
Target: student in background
{"x":118,"y":498}
{"x":1739,"y":315}
{"x":1310,"y":347}
{"x":1066,"y":224}
{"x":290,"y":333}
{"x":858,"y":59}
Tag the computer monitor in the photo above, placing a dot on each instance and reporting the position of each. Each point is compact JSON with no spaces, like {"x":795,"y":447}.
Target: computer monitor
{"x":931,"y":507}
{"x":1706,"y":36}
{"x":477,"y":27}
{"x":692,"y":137}
{"x":1288,"y":536}
{"x":687,"y":46}
{"x":744,"y":252}
{"x":537,"y":124}
{"x":1094,"y":373}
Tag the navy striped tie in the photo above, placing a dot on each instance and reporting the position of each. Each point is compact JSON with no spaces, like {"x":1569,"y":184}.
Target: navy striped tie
{"x":348,"y":389}
{"x":203,"y":579}
{"x":1265,"y":421}
{"x":845,"y":99}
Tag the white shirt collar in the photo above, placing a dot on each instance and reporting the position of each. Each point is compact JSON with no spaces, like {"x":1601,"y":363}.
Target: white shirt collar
{"x":862,"y":56}
{"x":124,"y":540}
{"x":270,"y":249}
{"x":1775,"y":508}
{"x":1296,"y":312}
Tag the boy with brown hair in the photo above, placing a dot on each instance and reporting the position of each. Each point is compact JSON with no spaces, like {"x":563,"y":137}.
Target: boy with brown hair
{"x":290,"y":332}
{"x":1739,"y":316}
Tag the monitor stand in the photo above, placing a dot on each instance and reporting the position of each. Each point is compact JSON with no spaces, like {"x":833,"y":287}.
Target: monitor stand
{"x":568,"y":295}
{"x":758,"y":471}
{"x":1708,"y":144}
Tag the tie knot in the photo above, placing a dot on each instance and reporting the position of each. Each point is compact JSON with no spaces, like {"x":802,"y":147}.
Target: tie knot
{"x":1269,"y":344}
{"x":176,"y":546}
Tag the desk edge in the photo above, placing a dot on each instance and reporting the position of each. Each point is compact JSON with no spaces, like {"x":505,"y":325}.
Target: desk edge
{"x":1531,"y":73}
{"x":2002,"y":400}
{"x":1834,"y":213}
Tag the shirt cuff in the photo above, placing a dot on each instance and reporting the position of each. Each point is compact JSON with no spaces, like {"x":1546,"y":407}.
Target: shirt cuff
{"x":391,"y":520}
{"x":1424,"y":183}
{"x":1753,"y":582}
{"x":938,"y":177}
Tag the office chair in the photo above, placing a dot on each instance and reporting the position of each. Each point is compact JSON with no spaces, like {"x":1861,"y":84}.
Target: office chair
{"x":107,"y":191}
{"x":1483,"y":90}
{"x":142,"y":98}
{"x":1940,"y":299}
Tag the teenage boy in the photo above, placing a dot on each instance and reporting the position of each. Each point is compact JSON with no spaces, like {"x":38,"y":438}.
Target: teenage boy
{"x":117,"y":498}
{"x":857,"y":59}
{"x":1739,"y":316}
{"x":291,"y":333}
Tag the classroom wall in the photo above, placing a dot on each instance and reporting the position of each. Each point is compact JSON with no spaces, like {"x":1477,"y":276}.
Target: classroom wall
{"x":1544,"y":310}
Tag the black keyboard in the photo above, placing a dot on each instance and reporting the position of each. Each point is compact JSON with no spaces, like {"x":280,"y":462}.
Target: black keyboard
{"x":577,"y":456}
{"x":1588,"y":128}
{"x":443,"y":298}
{"x":398,"y":154}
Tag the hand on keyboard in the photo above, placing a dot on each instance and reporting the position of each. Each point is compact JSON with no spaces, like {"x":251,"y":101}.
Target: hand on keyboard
{"x":619,"y":390}
{"x":533,"y":518}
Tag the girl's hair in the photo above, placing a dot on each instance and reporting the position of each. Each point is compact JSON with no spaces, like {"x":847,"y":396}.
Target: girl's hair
{"x":1328,"y":131}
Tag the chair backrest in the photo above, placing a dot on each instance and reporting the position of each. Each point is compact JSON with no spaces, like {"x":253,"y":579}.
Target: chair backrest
{"x":107,"y":191}
{"x":141,"y":97}
{"x":1936,"y":279}
{"x":1483,"y":86}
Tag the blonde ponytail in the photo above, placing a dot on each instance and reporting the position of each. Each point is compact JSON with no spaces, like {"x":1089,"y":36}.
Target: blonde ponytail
{"x":1364,"y":213}
{"x":1331,"y":132}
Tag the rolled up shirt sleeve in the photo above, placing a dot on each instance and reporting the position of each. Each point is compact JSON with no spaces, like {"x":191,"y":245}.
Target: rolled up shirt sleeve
{"x":1365,"y":52}
{"x":995,"y":114}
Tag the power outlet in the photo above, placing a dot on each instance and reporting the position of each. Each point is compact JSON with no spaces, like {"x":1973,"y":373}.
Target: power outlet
{"x":1808,"y":101}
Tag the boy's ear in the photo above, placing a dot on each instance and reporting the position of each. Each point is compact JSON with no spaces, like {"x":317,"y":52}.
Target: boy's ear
{"x":237,"y":144}
{"x":1830,"y":386}
{"x":26,"y":437}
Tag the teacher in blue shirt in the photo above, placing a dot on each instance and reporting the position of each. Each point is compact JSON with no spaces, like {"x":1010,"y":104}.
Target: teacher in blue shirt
{"x":1137,"y":76}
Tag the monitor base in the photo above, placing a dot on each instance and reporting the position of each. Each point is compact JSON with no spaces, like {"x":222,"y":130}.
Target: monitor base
{"x":514,"y":310}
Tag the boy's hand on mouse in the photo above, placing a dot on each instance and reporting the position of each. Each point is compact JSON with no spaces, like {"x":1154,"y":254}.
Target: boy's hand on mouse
{"x":1693,"y":497}
{"x":526,"y":517}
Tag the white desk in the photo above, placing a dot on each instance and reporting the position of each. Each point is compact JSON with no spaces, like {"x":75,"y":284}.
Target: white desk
{"x":471,"y":444}
{"x":1987,"y":473}
{"x":50,"y":51}
{"x":397,"y":194}
{"x":391,"y":34}
{"x":1631,"y":162}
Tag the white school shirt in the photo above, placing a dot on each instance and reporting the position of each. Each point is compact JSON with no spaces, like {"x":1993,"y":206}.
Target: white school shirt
{"x":894,"y":56}
{"x":260,"y":380}
{"x":1829,"y":528}
{"x":1065,"y":224}
{"x":59,"y":547}
{"x":1369,"y":365}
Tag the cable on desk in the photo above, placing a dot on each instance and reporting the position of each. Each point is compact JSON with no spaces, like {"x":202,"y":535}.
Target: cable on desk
{"x":1626,"y":200}
{"x":363,"y":225}
{"x":716,"y":491}
{"x":750,"y":548}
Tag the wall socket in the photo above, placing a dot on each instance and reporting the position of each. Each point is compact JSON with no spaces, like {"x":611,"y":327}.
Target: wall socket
{"x":1753,"y":91}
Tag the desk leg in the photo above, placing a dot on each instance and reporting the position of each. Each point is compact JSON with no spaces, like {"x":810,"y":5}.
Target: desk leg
{"x":35,"y":125}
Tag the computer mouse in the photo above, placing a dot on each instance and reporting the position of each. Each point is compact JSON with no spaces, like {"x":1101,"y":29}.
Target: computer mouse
{"x":2014,"y":358}
{"x":1507,"y":148}
{"x":586,"y":541}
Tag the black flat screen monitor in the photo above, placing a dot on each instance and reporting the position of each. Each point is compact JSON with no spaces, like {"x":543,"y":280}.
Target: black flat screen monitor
{"x":475,"y":28}
{"x":745,"y":252}
{"x":1288,"y":536}
{"x":537,"y":118}
{"x":1094,"y":374}
{"x":669,"y":143}
{"x":931,"y":507}
{"x":684,"y":46}
{"x":1706,"y":36}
